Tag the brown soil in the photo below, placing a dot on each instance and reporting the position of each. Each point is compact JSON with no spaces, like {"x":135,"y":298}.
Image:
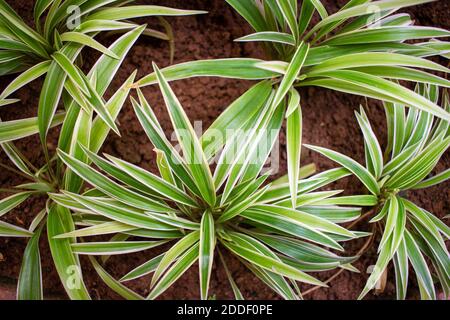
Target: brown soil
{"x":328,"y":121}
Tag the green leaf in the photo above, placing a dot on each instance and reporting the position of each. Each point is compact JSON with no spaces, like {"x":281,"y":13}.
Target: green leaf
{"x":306,"y":13}
{"x":29,"y":285}
{"x":130,"y":12}
{"x":358,"y":170}
{"x":401,"y":73}
{"x":72,"y":72}
{"x":113,"y":283}
{"x":400,"y":131}
{"x":400,"y":160}
{"x":39,"y":8}
{"x":110,"y":187}
{"x":9,"y":203}
{"x":17,"y":129}
{"x":419,"y":167}
{"x":154,"y":182}
{"x":235,"y":117}
{"x":189,"y":142}
{"x":363,"y":9}
{"x":437,"y":247}
{"x":237,"y":293}
{"x":238,"y":147}
{"x":354,"y":200}
{"x":238,"y":68}
{"x":271,"y":264}
{"x":95,"y":102}
{"x":279,"y":191}
{"x":13,"y":22}
{"x":86,"y":40}
{"x":240,"y":205}
{"x":270,"y":36}
{"x":143,"y":269}
{"x":124,"y":214}
{"x":206,"y":253}
{"x":369,"y":59}
{"x":290,"y":15}
{"x":391,"y":223}
{"x":9,"y":230}
{"x":26,"y":77}
{"x":302,"y":251}
{"x":176,"y":271}
{"x":52,"y":90}
{"x":289,"y":226}
{"x":293,"y":146}
{"x":320,"y":8}
{"x":164,"y":168}
{"x":333,"y":213}
{"x":103,"y":25}
{"x":401,"y":270}
{"x":67,"y":263}
{"x":117,"y":174}
{"x":80,"y":137}
{"x":375,"y":154}
{"x":388,"y":89}
{"x":175,"y":221}
{"x":151,"y":127}
{"x":383,"y":259}
{"x":420,"y":266}
{"x":294,"y":102}
{"x":16,"y":157}
{"x":292,"y":72}
{"x":116,"y":247}
{"x":185,"y":244}
{"x":436,"y":179}
{"x":387,"y":34}
{"x":100,"y":129}
{"x":305,"y":219}
{"x":5,"y":102}
{"x":275,"y":281}
{"x":257,"y":145}
{"x":250,"y":12}
{"x":99,"y":229}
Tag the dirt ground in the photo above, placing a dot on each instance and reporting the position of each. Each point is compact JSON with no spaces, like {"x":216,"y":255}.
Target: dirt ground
{"x":329,"y":121}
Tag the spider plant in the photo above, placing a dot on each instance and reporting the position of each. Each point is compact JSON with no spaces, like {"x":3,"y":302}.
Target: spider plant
{"x":53,"y":49}
{"x":201,"y":212}
{"x":410,"y":234}
{"x":356,"y":50}
{"x":81,"y":126}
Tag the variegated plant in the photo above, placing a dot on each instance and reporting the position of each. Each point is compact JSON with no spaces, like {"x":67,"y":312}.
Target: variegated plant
{"x":200,"y":212}
{"x":53,"y":49}
{"x":80,"y":127}
{"x":280,"y":230}
{"x":361,"y":49}
{"x":411,"y":235}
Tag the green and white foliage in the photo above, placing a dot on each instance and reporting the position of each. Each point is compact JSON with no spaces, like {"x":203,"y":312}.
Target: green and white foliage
{"x":361,"y":49}
{"x":197,"y":210}
{"x":53,"y":50}
{"x":411,"y":236}
{"x":81,"y":127}
{"x":63,"y":28}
